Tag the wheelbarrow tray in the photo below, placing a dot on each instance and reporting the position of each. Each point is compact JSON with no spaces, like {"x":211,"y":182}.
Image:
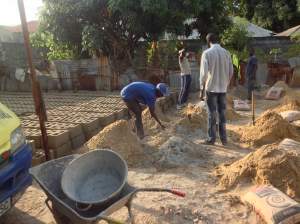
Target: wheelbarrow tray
{"x":48,"y":176}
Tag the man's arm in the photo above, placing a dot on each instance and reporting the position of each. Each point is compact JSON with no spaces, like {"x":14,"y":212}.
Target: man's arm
{"x":231,"y":70}
{"x":153,"y":114}
{"x":203,"y":74}
{"x":203,"y":69}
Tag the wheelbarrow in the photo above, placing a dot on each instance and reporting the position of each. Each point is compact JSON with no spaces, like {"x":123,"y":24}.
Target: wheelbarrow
{"x":48,"y":175}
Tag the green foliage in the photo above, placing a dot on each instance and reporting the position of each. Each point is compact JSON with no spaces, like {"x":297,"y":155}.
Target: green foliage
{"x":53,"y":50}
{"x":294,"y":49}
{"x":235,"y":39}
{"x":276,"y":15}
{"x":115,"y":27}
{"x":275,"y":52}
{"x":211,"y":15}
{"x":162,"y":53}
{"x":262,"y":56}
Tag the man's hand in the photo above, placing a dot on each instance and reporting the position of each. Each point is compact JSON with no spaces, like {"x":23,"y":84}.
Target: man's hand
{"x":201,"y":96}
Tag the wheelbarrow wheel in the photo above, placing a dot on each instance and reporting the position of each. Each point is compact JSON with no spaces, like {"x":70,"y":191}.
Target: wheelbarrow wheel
{"x":59,"y":217}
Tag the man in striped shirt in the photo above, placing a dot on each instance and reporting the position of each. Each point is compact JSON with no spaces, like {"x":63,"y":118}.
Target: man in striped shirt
{"x":215,"y":73}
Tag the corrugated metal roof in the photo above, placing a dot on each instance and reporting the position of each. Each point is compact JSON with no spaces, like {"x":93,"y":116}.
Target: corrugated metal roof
{"x":294,"y":31}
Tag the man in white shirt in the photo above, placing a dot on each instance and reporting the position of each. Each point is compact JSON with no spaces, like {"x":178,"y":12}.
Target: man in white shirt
{"x":215,"y":73}
{"x":186,"y":78}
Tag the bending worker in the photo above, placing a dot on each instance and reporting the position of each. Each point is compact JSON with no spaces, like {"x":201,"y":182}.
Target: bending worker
{"x":137,"y":93}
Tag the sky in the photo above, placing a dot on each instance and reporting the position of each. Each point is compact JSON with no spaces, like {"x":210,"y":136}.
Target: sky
{"x":9,"y":11}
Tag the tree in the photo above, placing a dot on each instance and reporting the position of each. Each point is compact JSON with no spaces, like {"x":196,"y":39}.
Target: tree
{"x":276,"y":15}
{"x":53,"y":50}
{"x":115,"y":27}
{"x":211,"y":15}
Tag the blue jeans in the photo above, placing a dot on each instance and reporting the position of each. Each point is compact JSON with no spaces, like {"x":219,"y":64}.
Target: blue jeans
{"x":251,"y":87}
{"x":136,"y":109}
{"x":216,"y":104}
{"x":186,"y":81}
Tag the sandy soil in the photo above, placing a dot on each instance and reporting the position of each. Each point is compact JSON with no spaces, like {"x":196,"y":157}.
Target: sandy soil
{"x":204,"y":203}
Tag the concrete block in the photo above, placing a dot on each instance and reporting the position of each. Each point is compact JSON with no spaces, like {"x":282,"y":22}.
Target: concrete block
{"x":78,"y":141}
{"x":92,"y":134}
{"x":56,"y":138}
{"x":121,"y":114}
{"x":62,"y":150}
{"x":32,"y":145}
{"x":35,"y":135}
{"x":106,"y":120}
{"x":38,"y":158}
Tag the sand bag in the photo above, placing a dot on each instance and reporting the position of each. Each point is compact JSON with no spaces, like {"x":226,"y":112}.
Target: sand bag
{"x":290,"y":115}
{"x":296,"y":123}
{"x":273,"y":206}
{"x":290,"y":145}
{"x":241,"y":105}
{"x":274,"y":93}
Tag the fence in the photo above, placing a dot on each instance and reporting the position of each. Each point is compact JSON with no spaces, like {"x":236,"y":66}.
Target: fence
{"x":89,"y":74}
{"x":174,"y":78}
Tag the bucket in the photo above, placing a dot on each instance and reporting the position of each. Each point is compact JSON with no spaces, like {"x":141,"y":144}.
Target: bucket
{"x":95,"y":179}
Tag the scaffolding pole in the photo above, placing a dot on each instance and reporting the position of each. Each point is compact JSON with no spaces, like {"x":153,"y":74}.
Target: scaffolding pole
{"x":36,"y":90}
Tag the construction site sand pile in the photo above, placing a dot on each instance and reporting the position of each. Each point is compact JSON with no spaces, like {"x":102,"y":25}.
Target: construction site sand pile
{"x":155,"y":136}
{"x":178,"y":151}
{"x":287,"y":91}
{"x":267,"y":165}
{"x":118,"y":137}
{"x":288,"y":103}
{"x":269,"y":128}
{"x":195,"y":116}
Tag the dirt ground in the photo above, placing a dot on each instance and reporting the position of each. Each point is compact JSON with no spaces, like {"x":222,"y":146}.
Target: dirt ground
{"x":205,"y":201}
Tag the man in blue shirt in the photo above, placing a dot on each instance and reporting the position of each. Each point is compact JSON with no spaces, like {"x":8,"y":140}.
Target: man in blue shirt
{"x":251,"y":73}
{"x":137,"y":93}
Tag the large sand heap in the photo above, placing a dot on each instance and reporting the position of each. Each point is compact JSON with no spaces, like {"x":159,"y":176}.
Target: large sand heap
{"x":267,"y":165}
{"x":195,"y":116}
{"x":118,"y":137}
{"x":155,"y":136}
{"x":269,"y":128}
{"x":288,"y":103}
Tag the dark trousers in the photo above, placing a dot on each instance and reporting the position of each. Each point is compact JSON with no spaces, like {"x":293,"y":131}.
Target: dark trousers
{"x":186,"y":81}
{"x":251,"y":87}
{"x":136,"y":109}
{"x":216,"y":108}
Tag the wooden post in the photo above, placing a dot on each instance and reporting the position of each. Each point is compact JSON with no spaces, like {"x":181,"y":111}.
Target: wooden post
{"x":36,"y":90}
{"x":253,"y":109}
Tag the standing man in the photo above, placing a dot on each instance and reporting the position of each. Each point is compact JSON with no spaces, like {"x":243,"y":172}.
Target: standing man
{"x":251,"y":73}
{"x":215,"y":74}
{"x":186,"y":78}
{"x":137,"y":93}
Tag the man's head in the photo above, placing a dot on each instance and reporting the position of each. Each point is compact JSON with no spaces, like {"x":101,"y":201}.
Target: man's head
{"x":211,"y":38}
{"x":162,"y":90}
{"x":251,"y":52}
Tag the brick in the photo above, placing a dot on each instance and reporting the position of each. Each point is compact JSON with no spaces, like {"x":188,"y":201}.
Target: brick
{"x":78,"y":141}
{"x":38,"y":158}
{"x":56,"y":138}
{"x":32,"y":144}
{"x":35,"y":135}
{"x":106,"y":120}
{"x":61,"y":151}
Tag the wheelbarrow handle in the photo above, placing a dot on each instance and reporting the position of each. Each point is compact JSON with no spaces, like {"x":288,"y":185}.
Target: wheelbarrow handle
{"x":172,"y":191}
{"x":178,"y":193}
